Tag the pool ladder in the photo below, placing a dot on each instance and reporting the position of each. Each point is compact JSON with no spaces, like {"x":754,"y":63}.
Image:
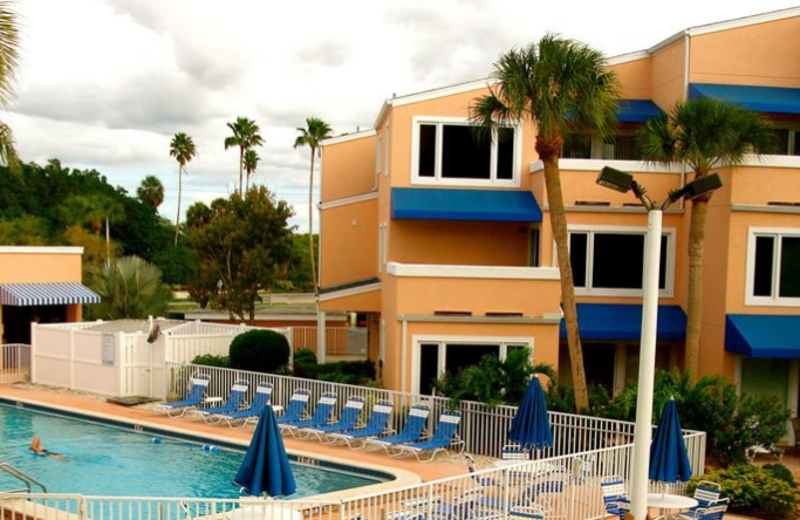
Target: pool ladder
{"x":20,"y":475}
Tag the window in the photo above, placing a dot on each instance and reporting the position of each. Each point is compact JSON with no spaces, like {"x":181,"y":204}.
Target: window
{"x":610,"y":261}
{"x":623,"y":146}
{"x":577,"y":146}
{"x":773,"y":276}
{"x":436,"y":355}
{"x":534,"y":247}
{"x":787,"y":141}
{"x":447,"y":151}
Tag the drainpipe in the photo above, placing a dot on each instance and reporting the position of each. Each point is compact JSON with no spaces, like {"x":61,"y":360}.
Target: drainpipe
{"x":404,"y":354}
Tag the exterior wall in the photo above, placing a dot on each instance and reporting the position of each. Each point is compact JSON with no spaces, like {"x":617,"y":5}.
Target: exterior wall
{"x":365,"y":302}
{"x":283,"y":323}
{"x":635,"y":78}
{"x":349,"y":245}
{"x":765,"y":54}
{"x":40,"y":267}
{"x":669,"y":74}
{"x":348,"y":168}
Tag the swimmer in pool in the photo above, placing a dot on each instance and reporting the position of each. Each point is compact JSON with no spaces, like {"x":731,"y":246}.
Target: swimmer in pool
{"x":36,"y":447}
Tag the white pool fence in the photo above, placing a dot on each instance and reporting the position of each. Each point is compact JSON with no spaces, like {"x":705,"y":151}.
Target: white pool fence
{"x":15,"y":363}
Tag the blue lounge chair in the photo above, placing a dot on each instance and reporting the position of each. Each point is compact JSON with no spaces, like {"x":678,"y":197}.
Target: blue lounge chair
{"x":232,"y":404}
{"x":615,"y":499}
{"x":295,"y":410}
{"x":347,"y":421}
{"x":193,"y":400}
{"x":377,"y":425}
{"x":263,"y":398}
{"x":444,"y":437}
{"x":321,"y":417}
{"x":412,"y":430}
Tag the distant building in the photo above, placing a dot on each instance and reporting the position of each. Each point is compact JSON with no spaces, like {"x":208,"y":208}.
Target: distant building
{"x":445,"y":243}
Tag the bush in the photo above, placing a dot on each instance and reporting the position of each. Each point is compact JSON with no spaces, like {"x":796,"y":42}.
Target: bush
{"x":305,"y":364}
{"x":347,"y":372}
{"x":260,"y":351}
{"x":755,"y":491}
{"x":211,"y":360}
{"x":781,"y":472}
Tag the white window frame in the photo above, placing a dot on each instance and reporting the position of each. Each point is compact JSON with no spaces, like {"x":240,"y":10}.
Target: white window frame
{"x":437,"y":179}
{"x":669,"y":281}
{"x":387,"y":142}
{"x":443,"y":341}
{"x":775,"y":300}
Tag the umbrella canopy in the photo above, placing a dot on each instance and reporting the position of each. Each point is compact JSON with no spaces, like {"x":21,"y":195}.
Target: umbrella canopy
{"x":668,"y":459}
{"x":266,"y":469}
{"x":531,"y":425}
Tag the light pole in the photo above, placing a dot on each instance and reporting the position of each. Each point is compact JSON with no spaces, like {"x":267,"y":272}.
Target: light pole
{"x":623,"y":182}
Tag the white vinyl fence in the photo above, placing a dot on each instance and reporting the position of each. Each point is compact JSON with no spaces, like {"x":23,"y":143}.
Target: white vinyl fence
{"x":15,"y":363}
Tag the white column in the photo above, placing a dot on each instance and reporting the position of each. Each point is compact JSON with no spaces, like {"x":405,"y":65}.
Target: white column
{"x":647,"y":366}
{"x":321,"y":337}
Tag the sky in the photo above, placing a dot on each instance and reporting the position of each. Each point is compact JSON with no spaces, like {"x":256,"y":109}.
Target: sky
{"x":105,"y":84}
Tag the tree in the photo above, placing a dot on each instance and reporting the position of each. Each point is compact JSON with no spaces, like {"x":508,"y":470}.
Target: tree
{"x":704,"y":134}
{"x":245,"y":136}
{"x":25,"y":230}
{"x":312,"y":135}
{"x":559,"y":85}
{"x":151,"y":192}
{"x":242,"y":249}
{"x":96,"y":252}
{"x":251,"y":159}
{"x":183,"y":150}
{"x":9,"y":63}
{"x":92,"y":210}
{"x":130,"y":287}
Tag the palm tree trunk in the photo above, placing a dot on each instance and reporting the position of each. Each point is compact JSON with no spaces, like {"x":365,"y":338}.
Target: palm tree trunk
{"x":311,"y":227}
{"x":697,"y":245}
{"x":558,"y":222}
{"x":247,"y":182}
{"x":180,"y":192}
{"x":241,"y":164}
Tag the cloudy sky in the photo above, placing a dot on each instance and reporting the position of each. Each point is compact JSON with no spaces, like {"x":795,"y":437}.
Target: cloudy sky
{"x":105,"y":84}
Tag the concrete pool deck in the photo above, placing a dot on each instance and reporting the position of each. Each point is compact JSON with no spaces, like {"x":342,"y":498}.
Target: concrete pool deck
{"x":407,"y":470}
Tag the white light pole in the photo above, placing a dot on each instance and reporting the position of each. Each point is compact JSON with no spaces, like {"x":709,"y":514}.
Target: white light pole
{"x":643,"y":431}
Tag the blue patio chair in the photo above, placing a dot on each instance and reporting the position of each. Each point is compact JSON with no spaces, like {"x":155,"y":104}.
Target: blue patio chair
{"x":527,"y":513}
{"x":705,"y":493}
{"x":412,"y":430}
{"x":321,"y":417}
{"x":378,"y":424}
{"x":615,"y":498}
{"x":193,"y":400}
{"x":295,"y":410}
{"x":714,"y":510}
{"x":233,"y":403}
{"x":262,"y":398}
{"x":443,"y":438}
{"x":347,"y":421}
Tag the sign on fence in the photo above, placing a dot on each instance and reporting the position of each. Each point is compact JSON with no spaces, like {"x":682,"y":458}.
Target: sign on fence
{"x":108,"y":350}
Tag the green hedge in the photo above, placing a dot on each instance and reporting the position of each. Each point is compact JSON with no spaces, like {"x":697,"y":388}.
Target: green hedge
{"x":211,"y":360}
{"x":260,"y":351}
{"x":755,"y":491}
{"x":346,"y":372}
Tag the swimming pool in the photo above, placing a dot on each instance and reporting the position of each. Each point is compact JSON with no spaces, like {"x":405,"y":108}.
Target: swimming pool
{"x":112,"y":461}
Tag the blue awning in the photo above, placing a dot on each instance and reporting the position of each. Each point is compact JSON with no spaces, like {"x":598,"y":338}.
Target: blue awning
{"x":29,"y":294}
{"x":776,"y":100}
{"x":475,"y":205}
{"x":612,"y":321}
{"x":763,"y":336}
{"x":637,"y":110}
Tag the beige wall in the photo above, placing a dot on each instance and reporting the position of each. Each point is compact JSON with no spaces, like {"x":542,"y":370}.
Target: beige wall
{"x":348,"y":169}
{"x":763,"y":54}
{"x":669,"y":66}
{"x":635,"y":78}
{"x":349,"y":244}
{"x":39,"y":267}
{"x":364,"y":302}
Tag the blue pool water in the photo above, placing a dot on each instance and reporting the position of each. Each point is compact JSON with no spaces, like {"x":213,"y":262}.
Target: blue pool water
{"x":104,"y":460}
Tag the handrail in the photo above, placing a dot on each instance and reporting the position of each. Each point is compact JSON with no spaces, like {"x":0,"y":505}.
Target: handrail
{"x":21,"y":476}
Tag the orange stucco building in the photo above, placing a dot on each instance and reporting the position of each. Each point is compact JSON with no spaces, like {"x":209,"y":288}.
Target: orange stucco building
{"x":444,"y":243}
{"x":39,"y":284}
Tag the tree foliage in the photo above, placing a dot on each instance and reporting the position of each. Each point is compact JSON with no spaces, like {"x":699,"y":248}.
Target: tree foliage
{"x":151,"y":192}
{"x":130,"y":287}
{"x":182,"y":148}
{"x":243,"y":246}
{"x":260,"y":351}
{"x":244,"y":136}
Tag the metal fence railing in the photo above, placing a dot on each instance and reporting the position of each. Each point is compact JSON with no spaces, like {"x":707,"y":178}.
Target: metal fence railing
{"x":16,"y":363}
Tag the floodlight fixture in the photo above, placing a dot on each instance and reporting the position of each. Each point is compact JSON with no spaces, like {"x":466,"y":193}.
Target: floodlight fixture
{"x":616,"y":180}
{"x":697,"y":188}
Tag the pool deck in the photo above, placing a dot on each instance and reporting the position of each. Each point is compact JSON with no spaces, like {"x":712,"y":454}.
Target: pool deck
{"x":408,"y":470}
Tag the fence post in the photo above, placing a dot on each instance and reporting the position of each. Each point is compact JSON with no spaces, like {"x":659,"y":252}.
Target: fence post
{"x":120,"y":348}
{"x":72,"y":359}
{"x":32,"y":357}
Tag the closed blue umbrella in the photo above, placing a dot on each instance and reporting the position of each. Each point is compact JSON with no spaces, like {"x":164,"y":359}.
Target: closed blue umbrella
{"x":669,"y":461}
{"x":531,"y":425}
{"x":266,"y":468}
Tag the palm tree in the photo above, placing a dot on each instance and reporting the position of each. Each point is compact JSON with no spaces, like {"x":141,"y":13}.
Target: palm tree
{"x":130,"y":287}
{"x":183,"y":150}
{"x":151,"y":192}
{"x":245,"y":136}
{"x":251,"y":159}
{"x":703,"y":134}
{"x":9,"y":63}
{"x":558,"y":85}
{"x":312,"y":135}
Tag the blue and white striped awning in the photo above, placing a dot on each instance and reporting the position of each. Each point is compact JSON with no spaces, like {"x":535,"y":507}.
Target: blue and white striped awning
{"x":29,"y":294}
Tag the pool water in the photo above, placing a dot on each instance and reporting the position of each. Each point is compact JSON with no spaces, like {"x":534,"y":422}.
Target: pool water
{"x":108,"y":461}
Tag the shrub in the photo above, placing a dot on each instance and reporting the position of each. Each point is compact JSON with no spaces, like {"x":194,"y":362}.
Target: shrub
{"x":260,"y":351}
{"x":755,"y":491}
{"x":211,"y":360}
{"x":305,"y":364}
{"x":781,"y":472}
{"x":346,"y":372}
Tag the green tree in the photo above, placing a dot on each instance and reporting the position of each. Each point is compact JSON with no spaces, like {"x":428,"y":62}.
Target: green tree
{"x":704,"y":134}
{"x":182,"y":148}
{"x":151,"y":192}
{"x":130,"y":287}
{"x":242,"y":250}
{"x":559,"y":85}
{"x":92,"y":210}
{"x":312,"y":135}
{"x":300,"y":266}
{"x":25,"y":230}
{"x":251,"y":159}
{"x":9,"y":63}
{"x":96,"y":252}
{"x":245,"y":136}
